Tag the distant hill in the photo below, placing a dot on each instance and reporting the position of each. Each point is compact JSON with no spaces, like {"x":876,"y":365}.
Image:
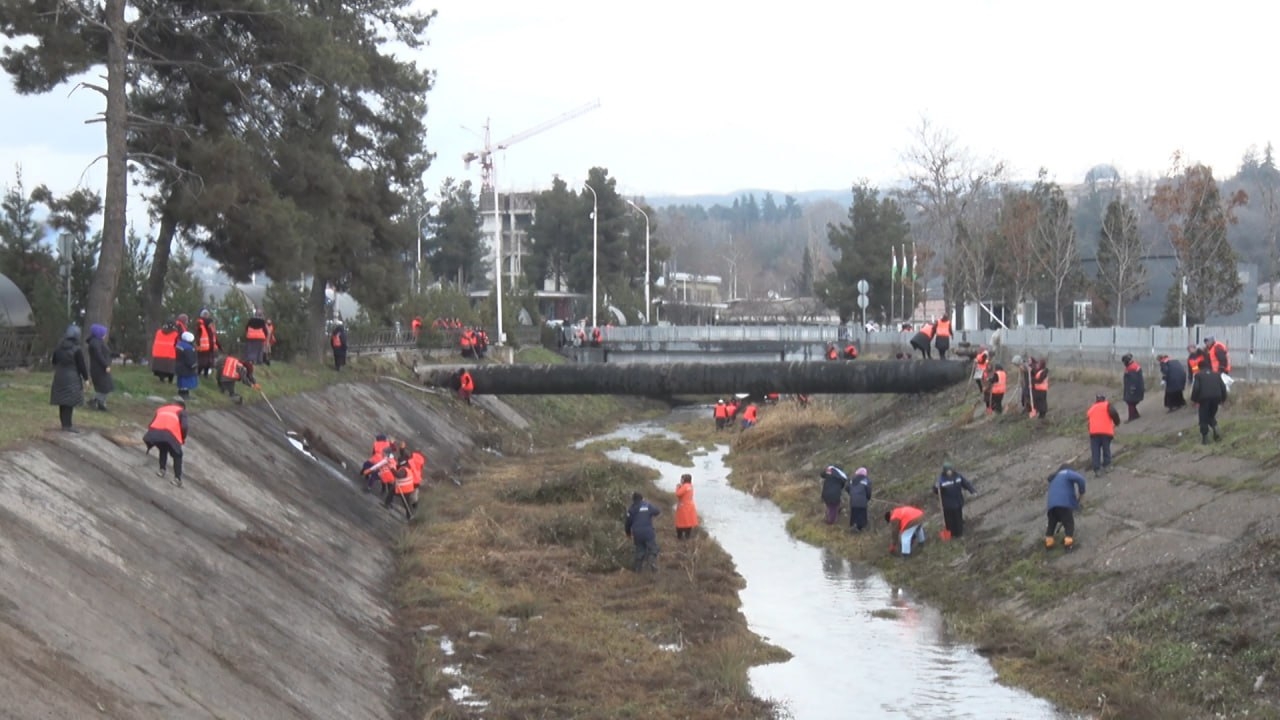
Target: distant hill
{"x":726,"y":199}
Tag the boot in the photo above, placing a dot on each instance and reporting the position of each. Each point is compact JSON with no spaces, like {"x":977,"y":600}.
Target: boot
{"x":1204,"y":438}
{"x":1068,"y":543}
{"x":1216,"y":436}
{"x":1048,"y":543}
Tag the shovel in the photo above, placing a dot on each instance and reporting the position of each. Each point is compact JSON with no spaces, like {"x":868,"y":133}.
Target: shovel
{"x":944,"y":534}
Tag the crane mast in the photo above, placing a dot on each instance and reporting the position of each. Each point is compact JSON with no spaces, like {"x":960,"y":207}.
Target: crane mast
{"x":488,"y":183}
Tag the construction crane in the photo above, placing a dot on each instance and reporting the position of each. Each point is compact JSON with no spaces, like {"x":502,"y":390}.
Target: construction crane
{"x":489,"y":182}
{"x":485,"y":154}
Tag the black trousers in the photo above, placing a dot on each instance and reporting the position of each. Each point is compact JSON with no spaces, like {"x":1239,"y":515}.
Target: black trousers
{"x":168,"y":449}
{"x":1208,"y":417}
{"x":646,"y":551}
{"x":1173,"y":399}
{"x":997,"y":403}
{"x":1040,"y":401}
{"x":64,"y":415}
{"x":953,"y":518}
{"x":943,"y":344}
{"x":339,"y":358}
{"x":684,"y":533}
{"x":1061,"y":516}
{"x":924,"y":351}
{"x":858,"y":518}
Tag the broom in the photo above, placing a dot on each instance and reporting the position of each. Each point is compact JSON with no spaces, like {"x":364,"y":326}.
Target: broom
{"x":945,"y":534}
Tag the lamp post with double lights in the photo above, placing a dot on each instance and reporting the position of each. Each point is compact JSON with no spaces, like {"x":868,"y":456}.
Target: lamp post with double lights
{"x":595,"y":251}
{"x":645,"y":215}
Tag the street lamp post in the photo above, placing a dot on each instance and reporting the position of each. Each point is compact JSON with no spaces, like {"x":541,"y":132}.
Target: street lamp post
{"x":417,"y":261}
{"x":647,"y":308}
{"x":595,"y":254}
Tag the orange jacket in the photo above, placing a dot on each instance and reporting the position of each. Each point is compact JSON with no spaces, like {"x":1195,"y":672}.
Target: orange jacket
{"x":750,"y":414}
{"x":686,"y":511}
{"x":466,"y":382}
{"x":169,"y":417}
{"x":417,"y":463}
{"x":927,"y":330}
{"x":851,"y":352}
{"x":904,"y":517}
{"x":943,"y":329}
{"x":981,"y":359}
{"x":1102,"y":419}
{"x":721,"y":411}
{"x":208,"y":336}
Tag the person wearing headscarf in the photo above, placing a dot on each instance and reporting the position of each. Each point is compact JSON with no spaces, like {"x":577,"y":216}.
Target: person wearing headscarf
{"x":99,"y":366}
{"x":69,"y":377}
{"x":1173,"y":376}
{"x":686,"y":510}
{"x":1134,"y":387}
{"x":834,"y":482}
{"x":187,"y":365}
{"x":859,"y":489}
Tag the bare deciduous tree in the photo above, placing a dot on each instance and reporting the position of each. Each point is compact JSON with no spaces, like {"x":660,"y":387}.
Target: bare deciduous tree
{"x":1121,"y":249}
{"x":1055,"y":250}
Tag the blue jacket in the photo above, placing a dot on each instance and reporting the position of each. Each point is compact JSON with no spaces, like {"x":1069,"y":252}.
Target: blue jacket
{"x":1174,"y":374}
{"x":859,"y":491}
{"x":640,"y":520}
{"x":833,"y":484}
{"x":951,"y":490}
{"x":1063,"y":487}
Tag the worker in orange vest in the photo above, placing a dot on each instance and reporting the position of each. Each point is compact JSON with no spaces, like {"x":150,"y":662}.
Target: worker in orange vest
{"x":1216,"y":351}
{"x":942,"y":336}
{"x":466,"y":386}
{"x":832,"y":353}
{"x":999,"y":382}
{"x":271,"y":342}
{"x":376,"y":455}
{"x":164,"y":352}
{"x":850,"y":352}
{"x":168,"y":432}
{"x":1102,"y":429}
{"x":750,"y":416}
{"x":404,"y":488}
{"x":467,"y":343}
{"x":207,"y":345}
{"x":234,"y":371}
{"x":1195,"y":358}
{"x":596,"y":337}
{"x":721,"y":414}
{"x":1039,"y":387}
{"x":923,"y":340}
{"x":980,"y":365}
{"x":255,"y":338}
{"x":338,"y":341}
{"x":415,"y":326}
{"x":906,"y":527}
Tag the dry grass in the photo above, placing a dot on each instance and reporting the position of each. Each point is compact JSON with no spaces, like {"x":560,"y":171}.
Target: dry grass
{"x":532,"y":559}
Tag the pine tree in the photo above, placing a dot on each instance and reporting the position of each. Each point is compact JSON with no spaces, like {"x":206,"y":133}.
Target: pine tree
{"x":876,"y":226}
{"x":453,"y":250}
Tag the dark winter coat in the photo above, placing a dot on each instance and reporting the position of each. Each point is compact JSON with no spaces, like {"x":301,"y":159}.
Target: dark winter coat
{"x":1174,"y":375}
{"x":99,"y":361}
{"x":859,"y":491}
{"x":1134,"y":387}
{"x":952,"y":488}
{"x":69,"y":371}
{"x":187,"y":362}
{"x":833,"y":483}
{"x":1066,"y":487}
{"x":640,"y":520}
{"x":1208,"y":387}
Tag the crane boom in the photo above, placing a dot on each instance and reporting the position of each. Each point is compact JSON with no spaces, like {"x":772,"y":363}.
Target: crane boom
{"x":485,"y":154}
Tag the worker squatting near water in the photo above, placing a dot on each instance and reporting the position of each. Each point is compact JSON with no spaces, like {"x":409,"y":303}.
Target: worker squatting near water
{"x":399,"y":472}
{"x":168,"y":432}
{"x":906,"y":528}
{"x":639,"y":527}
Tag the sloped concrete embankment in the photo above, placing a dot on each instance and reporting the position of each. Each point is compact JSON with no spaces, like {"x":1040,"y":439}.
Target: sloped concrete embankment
{"x":258,"y":590}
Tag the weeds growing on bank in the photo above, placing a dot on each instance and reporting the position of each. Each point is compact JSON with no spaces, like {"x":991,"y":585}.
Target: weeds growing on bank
{"x":524,"y":573}
{"x":1166,"y":659}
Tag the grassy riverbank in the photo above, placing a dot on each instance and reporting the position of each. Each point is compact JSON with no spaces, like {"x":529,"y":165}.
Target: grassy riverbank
{"x":1167,"y":607}
{"x":516,"y":583}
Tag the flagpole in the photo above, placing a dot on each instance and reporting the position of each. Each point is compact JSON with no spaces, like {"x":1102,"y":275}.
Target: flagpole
{"x":893,"y":275}
{"x":915,"y":273}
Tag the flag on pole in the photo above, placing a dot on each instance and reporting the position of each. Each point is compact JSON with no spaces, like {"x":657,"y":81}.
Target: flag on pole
{"x":915,"y":266}
{"x":893,"y":271}
{"x":905,"y":267}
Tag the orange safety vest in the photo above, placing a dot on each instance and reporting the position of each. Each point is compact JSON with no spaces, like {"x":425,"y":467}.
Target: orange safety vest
{"x":336,"y":340}
{"x":388,"y":474}
{"x":165,"y":345}
{"x":851,"y":352}
{"x":1193,"y":362}
{"x":831,"y":353}
{"x":927,"y":330}
{"x":1214,"y":364}
{"x":168,"y":418}
{"x":208,"y":337}
{"x":904,"y":516}
{"x":231,"y":368}
{"x":255,"y":333}
{"x":750,"y":414}
{"x":467,"y":383}
{"x":467,"y":340}
{"x":722,"y":411}
{"x":404,"y":481}
{"x":417,"y":462}
{"x":1100,"y":422}
{"x":998,"y":386}
{"x":943,"y":329}
{"x":595,"y":335}
{"x":1040,"y":381}
{"x":981,"y":361}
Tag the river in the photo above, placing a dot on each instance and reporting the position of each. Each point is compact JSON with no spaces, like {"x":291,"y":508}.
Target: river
{"x":860,"y":647}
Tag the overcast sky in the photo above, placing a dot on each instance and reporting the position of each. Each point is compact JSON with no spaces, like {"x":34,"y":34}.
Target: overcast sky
{"x":710,"y":96}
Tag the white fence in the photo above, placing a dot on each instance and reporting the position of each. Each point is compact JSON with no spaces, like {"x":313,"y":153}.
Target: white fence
{"x":1254,"y":349}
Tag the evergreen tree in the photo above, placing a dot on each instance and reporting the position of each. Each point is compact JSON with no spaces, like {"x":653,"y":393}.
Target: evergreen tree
{"x":285,"y":304}
{"x":804,"y":281}
{"x":865,"y":244}
{"x":184,"y":292}
{"x":130,"y":335}
{"x":453,"y":250}
{"x":30,"y":264}
{"x":1196,"y":217}
{"x":558,"y":227}
{"x":72,"y":215}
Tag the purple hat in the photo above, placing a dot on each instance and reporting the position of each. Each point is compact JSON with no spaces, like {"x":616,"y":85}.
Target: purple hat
{"x":98,"y":331}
